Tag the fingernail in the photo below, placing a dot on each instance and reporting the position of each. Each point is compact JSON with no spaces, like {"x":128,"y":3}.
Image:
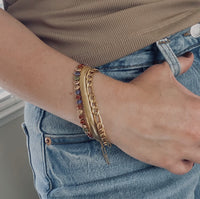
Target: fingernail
{"x":187,"y":54}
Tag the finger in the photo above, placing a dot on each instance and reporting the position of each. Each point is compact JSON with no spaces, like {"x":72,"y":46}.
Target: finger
{"x":181,"y":167}
{"x":194,"y":157}
{"x":186,"y":62}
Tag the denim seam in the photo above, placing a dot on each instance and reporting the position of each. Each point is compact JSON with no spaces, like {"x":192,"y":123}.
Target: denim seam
{"x":29,"y":150}
{"x":174,"y":57}
{"x":64,"y":143}
{"x":43,"y":152}
{"x":123,"y":66}
{"x":182,"y":52}
{"x":170,"y":59}
{"x":189,"y":49}
{"x":65,"y":136}
{"x":68,"y":142}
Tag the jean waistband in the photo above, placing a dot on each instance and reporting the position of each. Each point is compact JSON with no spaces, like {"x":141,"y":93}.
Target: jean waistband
{"x":179,"y":43}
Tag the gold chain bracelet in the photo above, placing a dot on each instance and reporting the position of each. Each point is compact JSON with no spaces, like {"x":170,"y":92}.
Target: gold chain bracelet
{"x":88,"y":111}
{"x":102,"y":138}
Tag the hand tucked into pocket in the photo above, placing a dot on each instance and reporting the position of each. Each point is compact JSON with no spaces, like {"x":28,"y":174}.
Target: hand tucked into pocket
{"x":153,"y":118}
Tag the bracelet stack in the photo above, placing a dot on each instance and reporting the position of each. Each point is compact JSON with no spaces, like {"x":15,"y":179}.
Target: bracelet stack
{"x":88,"y":111}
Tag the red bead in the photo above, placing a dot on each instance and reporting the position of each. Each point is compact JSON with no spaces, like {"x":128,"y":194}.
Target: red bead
{"x":81,"y":116}
{"x":78,"y":97}
{"x":82,"y":121}
{"x":80,"y":106}
{"x":90,"y":135}
{"x":80,"y":66}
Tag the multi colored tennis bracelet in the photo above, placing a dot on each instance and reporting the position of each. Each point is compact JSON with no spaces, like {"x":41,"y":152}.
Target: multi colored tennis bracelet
{"x":82,"y":117}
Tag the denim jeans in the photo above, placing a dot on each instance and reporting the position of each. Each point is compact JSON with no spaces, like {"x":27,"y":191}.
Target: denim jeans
{"x":67,"y":164}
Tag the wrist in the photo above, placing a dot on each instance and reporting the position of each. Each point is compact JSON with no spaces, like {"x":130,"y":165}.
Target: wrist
{"x":108,"y":96}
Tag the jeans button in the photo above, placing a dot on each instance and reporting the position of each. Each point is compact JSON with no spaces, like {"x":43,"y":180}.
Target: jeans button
{"x":195,"y":30}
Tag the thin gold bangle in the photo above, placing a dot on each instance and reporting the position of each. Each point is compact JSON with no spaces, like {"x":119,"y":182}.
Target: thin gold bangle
{"x":99,"y":127}
{"x":86,"y":103}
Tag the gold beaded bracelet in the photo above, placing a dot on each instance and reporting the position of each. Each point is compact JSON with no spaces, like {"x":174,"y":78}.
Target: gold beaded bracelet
{"x":87,"y":107}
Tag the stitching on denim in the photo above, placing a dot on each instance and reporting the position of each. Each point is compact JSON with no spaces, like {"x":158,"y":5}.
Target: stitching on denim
{"x":166,"y":55}
{"x":188,"y":49}
{"x":175,"y":61}
{"x":63,"y":143}
{"x":164,"y":41}
{"x":173,"y":36}
{"x":181,"y":52}
{"x":172,"y":59}
{"x":55,"y":137}
{"x":42,"y":114}
{"x":138,"y":66}
{"x":65,"y":136}
{"x":43,"y":151}
{"x":24,"y":127}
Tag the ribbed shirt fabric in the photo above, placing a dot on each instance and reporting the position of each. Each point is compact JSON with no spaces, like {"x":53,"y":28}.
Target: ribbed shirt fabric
{"x":96,"y":32}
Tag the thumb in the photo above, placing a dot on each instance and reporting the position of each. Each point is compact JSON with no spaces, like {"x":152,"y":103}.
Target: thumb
{"x":186,"y":61}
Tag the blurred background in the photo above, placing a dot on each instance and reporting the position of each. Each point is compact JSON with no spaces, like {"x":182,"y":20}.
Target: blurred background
{"x":16,"y":180}
{"x":15,"y":174}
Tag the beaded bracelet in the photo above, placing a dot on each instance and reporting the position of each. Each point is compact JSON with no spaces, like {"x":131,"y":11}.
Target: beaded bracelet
{"x":87,"y":107}
{"x":82,"y":117}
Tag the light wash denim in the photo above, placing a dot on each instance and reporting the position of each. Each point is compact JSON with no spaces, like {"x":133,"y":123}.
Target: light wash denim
{"x":67,"y":164}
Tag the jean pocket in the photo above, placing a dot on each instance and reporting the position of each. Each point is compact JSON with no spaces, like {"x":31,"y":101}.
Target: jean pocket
{"x":66,"y":158}
{"x":54,"y":126}
{"x":63,"y":153}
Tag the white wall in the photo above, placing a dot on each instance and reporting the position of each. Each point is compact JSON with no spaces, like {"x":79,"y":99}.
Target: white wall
{"x":15,"y":173}
{"x":1,"y":4}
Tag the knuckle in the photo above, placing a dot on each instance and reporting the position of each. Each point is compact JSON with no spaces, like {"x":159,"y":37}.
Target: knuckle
{"x":191,"y":129}
{"x":180,"y":169}
{"x":193,"y":135}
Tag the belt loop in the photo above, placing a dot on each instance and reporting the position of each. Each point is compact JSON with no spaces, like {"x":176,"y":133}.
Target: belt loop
{"x":170,"y":57}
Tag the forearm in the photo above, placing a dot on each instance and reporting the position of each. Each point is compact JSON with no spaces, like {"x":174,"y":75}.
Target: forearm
{"x":35,"y":72}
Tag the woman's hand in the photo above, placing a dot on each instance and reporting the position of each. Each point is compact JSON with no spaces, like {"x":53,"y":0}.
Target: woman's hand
{"x":153,"y":118}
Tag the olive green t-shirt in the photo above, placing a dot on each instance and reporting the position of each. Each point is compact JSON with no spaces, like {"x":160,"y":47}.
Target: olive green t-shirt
{"x":96,"y":32}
